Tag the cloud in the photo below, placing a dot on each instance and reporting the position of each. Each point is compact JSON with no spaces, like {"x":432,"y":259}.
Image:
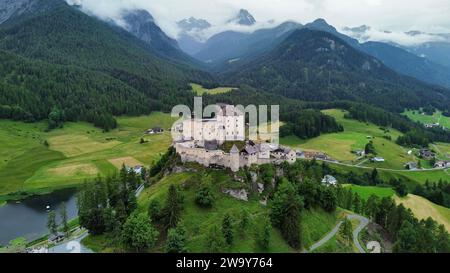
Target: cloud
{"x":397,"y":37}
{"x":398,"y":16}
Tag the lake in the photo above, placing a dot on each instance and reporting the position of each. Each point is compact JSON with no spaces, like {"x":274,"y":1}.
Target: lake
{"x":28,"y":218}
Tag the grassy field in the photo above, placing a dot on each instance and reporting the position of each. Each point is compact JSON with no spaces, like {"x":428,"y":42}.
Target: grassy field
{"x":366,"y":191}
{"x":416,"y":115}
{"x":355,"y":136}
{"x":422,"y":209}
{"x":200,"y":90}
{"x":414,"y":177}
{"x":76,"y":152}
{"x":315,"y":224}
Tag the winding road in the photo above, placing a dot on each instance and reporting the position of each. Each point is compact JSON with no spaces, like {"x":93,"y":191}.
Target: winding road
{"x":363,"y":222}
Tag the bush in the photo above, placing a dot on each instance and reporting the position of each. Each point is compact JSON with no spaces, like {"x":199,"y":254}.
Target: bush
{"x":204,"y":197}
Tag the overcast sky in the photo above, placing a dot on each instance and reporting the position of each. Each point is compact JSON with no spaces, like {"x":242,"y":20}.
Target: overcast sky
{"x":393,"y":15}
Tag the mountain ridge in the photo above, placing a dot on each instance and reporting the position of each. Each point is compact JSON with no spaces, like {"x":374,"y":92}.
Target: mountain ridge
{"x":318,"y":66}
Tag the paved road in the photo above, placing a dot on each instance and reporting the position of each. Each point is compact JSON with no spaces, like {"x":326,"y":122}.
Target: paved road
{"x":382,"y":169}
{"x":363,"y":223}
{"x":72,"y":246}
{"x":325,"y":239}
{"x":139,"y":190}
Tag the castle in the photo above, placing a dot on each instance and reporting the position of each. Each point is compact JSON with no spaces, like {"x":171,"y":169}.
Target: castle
{"x":200,"y":140}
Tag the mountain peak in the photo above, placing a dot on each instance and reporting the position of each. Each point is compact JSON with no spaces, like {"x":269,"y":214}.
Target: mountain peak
{"x":243,"y":18}
{"x":137,"y":16}
{"x":193,"y":23}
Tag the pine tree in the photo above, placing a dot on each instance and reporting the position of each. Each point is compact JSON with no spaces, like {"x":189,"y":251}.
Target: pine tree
{"x":214,"y":240}
{"x":51,"y":222}
{"x":63,"y":214}
{"x":263,"y":235}
{"x":227,"y":229}
{"x":245,"y":222}
{"x":285,"y":213}
{"x":347,"y":230}
{"x":173,"y":208}
{"x":176,"y":240}
{"x":357,"y":204}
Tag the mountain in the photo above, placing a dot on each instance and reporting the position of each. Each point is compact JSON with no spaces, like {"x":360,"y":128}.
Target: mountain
{"x":64,"y":37}
{"x":189,"y":38}
{"x":438,"y":52}
{"x":141,"y":24}
{"x":243,"y":18}
{"x":193,"y":24}
{"x":436,"y":47}
{"x":395,"y":57}
{"x":409,"y":64}
{"x":318,"y":66}
{"x":232,"y":46}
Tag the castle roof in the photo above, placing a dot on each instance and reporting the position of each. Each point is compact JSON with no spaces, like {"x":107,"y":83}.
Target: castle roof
{"x":234,"y":149}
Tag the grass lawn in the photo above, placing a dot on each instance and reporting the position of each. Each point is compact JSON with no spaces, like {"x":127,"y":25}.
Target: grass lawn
{"x":422,"y":209}
{"x":355,"y":136}
{"x":415,"y":115}
{"x":366,"y":191}
{"x":76,"y":152}
{"x":413,"y":177}
{"x":200,"y":90}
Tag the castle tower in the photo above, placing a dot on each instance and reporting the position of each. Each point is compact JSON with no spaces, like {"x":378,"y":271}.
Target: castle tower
{"x":234,"y":159}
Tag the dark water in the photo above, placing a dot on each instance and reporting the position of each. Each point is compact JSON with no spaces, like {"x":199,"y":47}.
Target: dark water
{"x":28,"y":218}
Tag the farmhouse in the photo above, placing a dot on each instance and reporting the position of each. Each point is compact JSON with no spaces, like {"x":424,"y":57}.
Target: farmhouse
{"x":155,"y":130}
{"x":432,"y":125}
{"x":442,"y":164}
{"x":200,"y":140}
{"x":411,"y":166}
{"x":377,"y":159}
{"x":329,"y":180}
{"x":426,"y":154}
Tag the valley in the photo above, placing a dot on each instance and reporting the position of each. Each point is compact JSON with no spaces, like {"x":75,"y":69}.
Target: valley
{"x":75,"y":153}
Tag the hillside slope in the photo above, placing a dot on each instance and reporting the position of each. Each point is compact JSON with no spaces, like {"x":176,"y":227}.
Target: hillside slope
{"x":318,"y":66}
{"x":62,"y":35}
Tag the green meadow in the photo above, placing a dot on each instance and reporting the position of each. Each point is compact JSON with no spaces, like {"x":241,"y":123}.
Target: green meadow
{"x":76,"y":152}
{"x":366,"y":191}
{"x":354,"y":137}
{"x":200,"y":90}
{"x":437,"y":116}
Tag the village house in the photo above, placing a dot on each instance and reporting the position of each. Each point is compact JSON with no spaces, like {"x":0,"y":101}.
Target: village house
{"x":329,"y":180}
{"x":426,"y":154}
{"x":200,"y":140}
{"x":411,"y":166}
{"x":155,"y":130}
{"x":377,"y":159}
{"x":432,"y":125}
{"x":442,"y":164}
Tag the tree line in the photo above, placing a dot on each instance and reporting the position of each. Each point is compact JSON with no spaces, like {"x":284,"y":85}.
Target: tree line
{"x":309,"y":123}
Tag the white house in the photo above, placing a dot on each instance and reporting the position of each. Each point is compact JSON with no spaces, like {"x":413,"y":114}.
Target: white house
{"x":377,"y":159}
{"x":329,"y":180}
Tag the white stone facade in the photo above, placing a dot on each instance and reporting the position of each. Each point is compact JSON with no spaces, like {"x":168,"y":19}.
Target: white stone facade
{"x":256,"y":154}
{"x":227,"y":125}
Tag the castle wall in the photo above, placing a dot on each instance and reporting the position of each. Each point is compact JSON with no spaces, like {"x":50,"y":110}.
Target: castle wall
{"x":189,"y":153}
